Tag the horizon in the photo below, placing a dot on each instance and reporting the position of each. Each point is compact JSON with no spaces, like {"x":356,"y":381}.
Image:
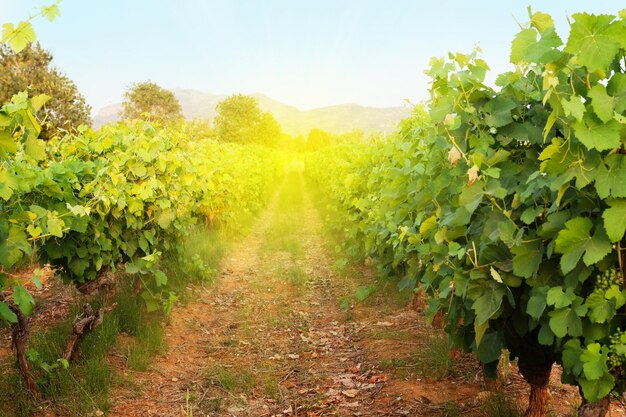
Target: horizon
{"x":365,"y":53}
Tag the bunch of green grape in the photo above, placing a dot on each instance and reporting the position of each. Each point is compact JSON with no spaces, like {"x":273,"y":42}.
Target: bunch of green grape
{"x":617,"y":353}
{"x":606,"y":279}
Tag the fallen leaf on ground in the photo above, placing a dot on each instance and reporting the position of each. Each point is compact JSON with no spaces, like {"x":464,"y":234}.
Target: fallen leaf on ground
{"x":350,"y":393}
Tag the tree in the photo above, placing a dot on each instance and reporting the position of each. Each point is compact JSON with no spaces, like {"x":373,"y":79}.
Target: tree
{"x":240,"y":120}
{"x":30,"y":70}
{"x":317,"y":139}
{"x":151,"y":102}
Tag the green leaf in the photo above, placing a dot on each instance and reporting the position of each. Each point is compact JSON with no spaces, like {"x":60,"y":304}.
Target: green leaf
{"x":596,"y":389}
{"x":18,"y":37}
{"x":55,"y":224}
{"x":166,"y":217}
{"x":35,"y":148}
{"x":571,"y":356}
{"x":595,"y":39}
{"x":574,"y":107}
{"x":600,"y":136}
{"x":564,"y":322}
{"x":602,"y":103}
{"x":616,"y":293}
{"x":23,"y":299}
{"x":523,"y":41}
{"x":78,"y":266}
{"x":134,"y":267}
{"x":471,"y":196}
{"x":615,"y":219}
{"x":559,"y":299}
{"x":537,"y":302}
{"x":33,"y":231}
{"x":428,"y":225}
{"x":527,"y":258}
{"x":594,"y":361}
{"x":541,"y":21}
{"x":363,"y":293}
{"x":600,"y":309}
{"x":479,"y":330}
{"x":152,"y":302}
{"x":39,"y":100}
{"x":545,"y":336}
{"x":50,"y":12}
{"x":6,"y":314}
{"x":530,"y":214}
{"x":574,"y":241}
{"x":488,"y":304}
{"x":490,"y":347}
{"x":526,"y":48}
{"x":499,"y":111}
{"x":160,"y":278}
{"x":610,"y":178}
{"x":7,"y":144}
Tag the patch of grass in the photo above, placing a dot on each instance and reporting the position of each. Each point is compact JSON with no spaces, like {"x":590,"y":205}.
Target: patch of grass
{"x":391,"y":335}
{"x":280,"y":236}
{"x":499,"y":404}
{"x":195,"y":261}
{"x":449,"y":409}
{"x":393,"y":363}
{"x":297,"y":277}
{"x":149,"y":342}
{"x":232,"y":380}
{"x":271,"y":387}
{"x":432,"y":360}
{"x":78,"y":390}
{"x":84,"y":387}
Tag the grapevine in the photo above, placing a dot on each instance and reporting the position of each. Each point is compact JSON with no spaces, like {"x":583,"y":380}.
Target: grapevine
{"x":506,"y":205}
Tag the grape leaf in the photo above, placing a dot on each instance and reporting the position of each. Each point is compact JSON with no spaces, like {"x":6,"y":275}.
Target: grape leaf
{"x":600,"y":309}
{"x":166,"y":217}
{"x":537,"y":302}
{"x":610,"y":181}
{"x":559,"y":299}
{"x":35,"y":148}
{"x":18,"y":37}
{"x":23,"y":299}
{"x":50,"y":12}
{"x":527,"y":259}
{"x":594,"y":39}
{"x":574,"y":241}
{"x":160,"y":278}
{"x":574,"y":107}
{"x":595,"y":389}
{"x":615,"y":219}
{"x":602,"y":103}
{"x":6,"y":314}
{"x":600,"y":136}
{"x":565,"y":321}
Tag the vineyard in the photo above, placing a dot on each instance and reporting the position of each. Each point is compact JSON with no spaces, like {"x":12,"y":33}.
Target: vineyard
{"x":471,"y":263}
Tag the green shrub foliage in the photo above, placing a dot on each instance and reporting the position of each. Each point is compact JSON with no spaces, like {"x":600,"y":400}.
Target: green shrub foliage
{"x":508,"y":205}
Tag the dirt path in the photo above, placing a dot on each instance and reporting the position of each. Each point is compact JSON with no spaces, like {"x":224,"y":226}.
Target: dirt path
{"x":269,"y":339}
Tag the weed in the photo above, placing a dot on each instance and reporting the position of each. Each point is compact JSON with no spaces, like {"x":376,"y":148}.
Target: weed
{"x":449,"y":409}
{"x":297,"y":277}
{"x":232,"y":380}
{"x":393,"y":363}
{"x":433,"y":360}
{"x":391,"y":335}
{"x":499,"y":404}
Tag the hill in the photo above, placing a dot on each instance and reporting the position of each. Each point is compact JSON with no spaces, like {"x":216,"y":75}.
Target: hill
{"x":334,"y":119}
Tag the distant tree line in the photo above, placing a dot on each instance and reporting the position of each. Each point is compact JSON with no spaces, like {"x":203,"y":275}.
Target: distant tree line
{"x":239,"y":118}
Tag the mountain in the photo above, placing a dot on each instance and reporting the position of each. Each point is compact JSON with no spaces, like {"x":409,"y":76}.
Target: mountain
{"x":334,"y":119}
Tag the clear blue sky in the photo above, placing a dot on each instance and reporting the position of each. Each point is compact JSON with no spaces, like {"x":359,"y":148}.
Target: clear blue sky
{"x":305,"y":53}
